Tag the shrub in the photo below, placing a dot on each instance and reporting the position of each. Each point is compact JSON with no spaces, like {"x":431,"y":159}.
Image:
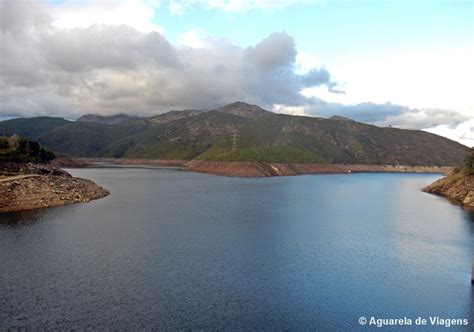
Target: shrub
{"x":469,"y":163}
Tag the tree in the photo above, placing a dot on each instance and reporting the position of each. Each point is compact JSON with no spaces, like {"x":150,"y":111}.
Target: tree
{"x":4,"y":143}
{"x":45,"y":155}
{"x":20,"y":149}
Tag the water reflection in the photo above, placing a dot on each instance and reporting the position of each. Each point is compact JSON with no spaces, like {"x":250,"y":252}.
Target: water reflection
{"x":469,"y":213}
{"x":30,"y":217}
{"x":14,"y":219}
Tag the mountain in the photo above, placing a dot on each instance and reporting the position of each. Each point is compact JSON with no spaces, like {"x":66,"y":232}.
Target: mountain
{"x":243,"y":109}
{"x":340,"y":118}
{"x":173,"y":116}
{"x":108,"y":120}
{"x":238,"y":108}
{"x":31,"y":127}
{"x":88,"y":138}
{"x":286,"y":138}
{"x":242,"y":132}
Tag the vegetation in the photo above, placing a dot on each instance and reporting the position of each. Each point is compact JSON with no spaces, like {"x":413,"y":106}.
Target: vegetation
{"x":284,"y":138}
{"x":468,"y":166}
{"x":20,"y":149}
{"x":259,"y":136}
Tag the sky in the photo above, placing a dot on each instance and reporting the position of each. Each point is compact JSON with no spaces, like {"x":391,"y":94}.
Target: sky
{"x":402,"y":63}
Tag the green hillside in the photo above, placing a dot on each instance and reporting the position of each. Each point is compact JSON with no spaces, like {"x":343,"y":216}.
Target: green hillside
{"x":89,"y":139}
{"x":285,"y":138}
{"x":185,"y":138}
{"x":241,"y":132}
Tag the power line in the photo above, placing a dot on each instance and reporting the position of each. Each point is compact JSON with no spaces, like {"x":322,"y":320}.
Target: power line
{"x":234,"y":141}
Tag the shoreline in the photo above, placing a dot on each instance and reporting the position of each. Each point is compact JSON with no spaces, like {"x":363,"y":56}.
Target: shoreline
{"x":250,"y":169}
{"x":458,"y":189}
{"x":257,"y":169}
{"x":33,"y":186}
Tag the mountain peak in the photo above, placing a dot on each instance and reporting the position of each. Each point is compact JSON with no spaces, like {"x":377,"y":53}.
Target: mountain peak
{"x":242,"y":109}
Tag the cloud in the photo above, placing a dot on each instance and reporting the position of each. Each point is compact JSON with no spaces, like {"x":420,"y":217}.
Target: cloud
{"x":107,"y":68}
{"x":463,"y":132}
{"x":383,"y":115}
{"x":81,"y":14}
{"x":178,"y":7}
{"x":387,"y":114}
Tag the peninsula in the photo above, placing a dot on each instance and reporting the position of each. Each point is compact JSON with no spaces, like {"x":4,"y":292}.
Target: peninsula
{"x":458,"y":184}
{"x":28,"y":181}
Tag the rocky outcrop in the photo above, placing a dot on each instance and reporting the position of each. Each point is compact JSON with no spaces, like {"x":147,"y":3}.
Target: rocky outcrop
{"x":39,"y":186}
{"x":456,"y":186}
{"x":254,"y":169}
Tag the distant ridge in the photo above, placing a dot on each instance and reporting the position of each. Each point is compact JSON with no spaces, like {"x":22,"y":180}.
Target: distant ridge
{"x":108,"y":120}
{"x":340,"y":118}
{"x":239,"y":132}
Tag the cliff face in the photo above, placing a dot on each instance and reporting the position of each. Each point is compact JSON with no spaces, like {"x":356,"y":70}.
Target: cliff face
{"x":27,"y":186}
{"x":457,"y":186}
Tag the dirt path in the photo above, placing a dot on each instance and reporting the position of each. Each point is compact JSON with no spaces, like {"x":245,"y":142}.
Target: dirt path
{"x":18,"y":177}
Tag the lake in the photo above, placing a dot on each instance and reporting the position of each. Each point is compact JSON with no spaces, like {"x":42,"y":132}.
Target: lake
{"x":170,"y":249}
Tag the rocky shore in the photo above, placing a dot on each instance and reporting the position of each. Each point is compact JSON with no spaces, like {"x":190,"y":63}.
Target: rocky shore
{"x":254,"y":169}
{"x":456,"y":186}
{"x":257,"y":169}
{"x":26,"y":186}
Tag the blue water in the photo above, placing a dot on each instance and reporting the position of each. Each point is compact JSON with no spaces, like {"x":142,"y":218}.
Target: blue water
{"x":173,"y":250}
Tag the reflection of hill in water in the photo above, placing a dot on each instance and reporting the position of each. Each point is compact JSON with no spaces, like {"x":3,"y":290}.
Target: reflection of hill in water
{"x":30,"y":217}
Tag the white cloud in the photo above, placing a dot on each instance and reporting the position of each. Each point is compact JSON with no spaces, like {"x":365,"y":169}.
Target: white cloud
{"x":195,"y":38}
{"x":306,"y":61}
{"x":463,"y":133}
{"x":180,"y":6}
{"x":291,"y":110}
{"x":441,"y":79}
{"x":133,"y":13}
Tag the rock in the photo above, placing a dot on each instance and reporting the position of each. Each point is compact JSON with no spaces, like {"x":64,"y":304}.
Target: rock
{"x":469,"y":199}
